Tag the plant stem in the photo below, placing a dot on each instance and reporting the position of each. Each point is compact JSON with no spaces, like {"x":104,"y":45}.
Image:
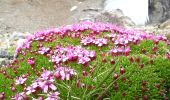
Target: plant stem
{"x":108,"y":75}
{"x":101,"y":95}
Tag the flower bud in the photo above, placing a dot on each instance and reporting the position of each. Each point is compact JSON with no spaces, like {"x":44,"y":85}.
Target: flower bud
{"x":122,"y":71}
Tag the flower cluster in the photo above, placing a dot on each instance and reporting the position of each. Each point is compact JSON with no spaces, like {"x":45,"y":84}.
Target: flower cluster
{"x":92,"y":40}
{"x":125,"y":39}
{"x":71,"y":53}
{"x":119,"y":35}
{"x":64,"y":73}
{"x":45,"y":83}
{"x":120,"y":51}
{"x":39,"y":49}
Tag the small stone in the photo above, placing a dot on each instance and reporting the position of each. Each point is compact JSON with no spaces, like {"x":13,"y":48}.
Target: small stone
{"x":4,"y":54}
{"x":73,"y":8}
{"x":3,"y":61}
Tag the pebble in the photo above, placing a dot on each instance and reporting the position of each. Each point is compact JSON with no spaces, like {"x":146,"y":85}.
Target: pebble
{"x":73,"y":8}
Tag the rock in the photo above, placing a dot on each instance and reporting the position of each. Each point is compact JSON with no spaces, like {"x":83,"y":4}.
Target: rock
{"x":159,"y":11}
{"x":91,"y":9}
{"x":3,"y":61}
{"x":5,"y":54}
{"x":165,"y":25}
{"x":33,"y":15}
{"x":73,"y":8}
{"x":114,"y":17}
{"x":8,"y":43}
{"x":86,"y":10}
{"x":137,"y":10}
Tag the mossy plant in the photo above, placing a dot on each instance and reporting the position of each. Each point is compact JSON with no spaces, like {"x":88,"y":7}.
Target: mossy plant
{"x":88,"y":61}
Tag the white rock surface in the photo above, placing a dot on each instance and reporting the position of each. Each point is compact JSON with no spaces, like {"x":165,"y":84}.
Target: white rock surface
{"x":137,"y":10}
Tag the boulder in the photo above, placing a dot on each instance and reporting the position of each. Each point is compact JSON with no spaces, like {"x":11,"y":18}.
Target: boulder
{"x":159,"y":11}
{"x":165,"y":25}
{"x":8,"y":42}
{"x":115,"y":17}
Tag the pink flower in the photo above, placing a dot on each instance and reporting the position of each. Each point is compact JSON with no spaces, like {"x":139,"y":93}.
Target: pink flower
{"x":100,"y":42}
{"x":71,"y":53}
{"x":83,"y":60}
{"x":46,"y":85}
{"x":91,"y":54}
{"x":121,"y":40}
{"x":30,"y":62}
{"x":57,"y":59}
{"x":47,"y":75}
{"x":53,"y":96}
{"x":22,"y":43}
{"x":29,"y":37}
{"x":87,"y":40}
{"x":20,"y":96}
{"x":35,"y":84}
{"x":92,"y":40}
{"x":120,"y":51}
{"x":127,"y":51}
{"x":30,"y":90}
{"x":43,"y":50}
{"x":64,"y":73}
{"x":20,"y":80}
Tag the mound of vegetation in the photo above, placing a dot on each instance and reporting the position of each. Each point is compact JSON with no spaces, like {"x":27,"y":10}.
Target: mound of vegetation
{"x":88,"y":61}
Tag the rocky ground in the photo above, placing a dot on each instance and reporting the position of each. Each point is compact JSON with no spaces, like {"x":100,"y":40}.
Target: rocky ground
{"x":33,"y":15}
{"x":21,"y":17}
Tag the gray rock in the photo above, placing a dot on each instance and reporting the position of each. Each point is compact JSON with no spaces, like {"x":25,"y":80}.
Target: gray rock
{"x":5,"y":54}
{"x":114,"y":17}
{"x":165,"y":25}
{"x":92,"y":9}
{"x":159,"y":11}
{"x":3,"y":61}
{"x":8,"y":43}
